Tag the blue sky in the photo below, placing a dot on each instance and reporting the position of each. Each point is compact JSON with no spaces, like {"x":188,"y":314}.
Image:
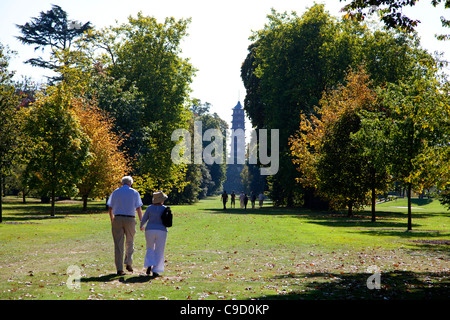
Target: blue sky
{"x":218,"y":40}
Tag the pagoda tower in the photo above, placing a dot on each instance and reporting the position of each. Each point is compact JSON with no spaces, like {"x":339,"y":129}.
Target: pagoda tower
{"x":238,"y":122}
{"x":234,"y":168}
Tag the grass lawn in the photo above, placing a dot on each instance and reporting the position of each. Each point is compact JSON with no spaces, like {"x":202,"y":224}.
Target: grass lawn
{"x":269,"y":253}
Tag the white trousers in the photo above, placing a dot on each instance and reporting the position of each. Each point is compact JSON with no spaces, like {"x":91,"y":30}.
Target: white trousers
{"x":156,"y":243}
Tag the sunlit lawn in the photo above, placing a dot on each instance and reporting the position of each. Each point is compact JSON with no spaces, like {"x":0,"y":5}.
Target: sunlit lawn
{"x":268,"y":253}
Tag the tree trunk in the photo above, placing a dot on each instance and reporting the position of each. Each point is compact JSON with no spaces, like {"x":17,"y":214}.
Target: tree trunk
{"x":350,"y":208}
{"x":373,"y":204}
{"x":409,"y":208}
{"x":85,"y":200}
{"x":52,"y":212}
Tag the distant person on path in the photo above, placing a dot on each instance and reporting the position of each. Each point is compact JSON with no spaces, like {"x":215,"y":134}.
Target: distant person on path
{"x":241,"y":199}
{"x":245,"y":201}
{"x":233,"y":200}
{"x":253,"y":199}
{"x":261,"y":199}
{"x":224,"y":199}
{"x":122,"y":205}
{"x":155,"y":234}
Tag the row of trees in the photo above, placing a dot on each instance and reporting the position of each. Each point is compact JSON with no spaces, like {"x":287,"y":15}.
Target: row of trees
{"x":372,"y":105}
{"x":117,"y":95}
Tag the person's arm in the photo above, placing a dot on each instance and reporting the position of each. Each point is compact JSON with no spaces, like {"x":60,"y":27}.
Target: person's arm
{"x":111,"y":216}
{"x":143,"y":219}
{"x":139,"y":212}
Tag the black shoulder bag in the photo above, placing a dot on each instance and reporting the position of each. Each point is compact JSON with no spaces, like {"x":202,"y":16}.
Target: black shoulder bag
{"x":167,"y":217}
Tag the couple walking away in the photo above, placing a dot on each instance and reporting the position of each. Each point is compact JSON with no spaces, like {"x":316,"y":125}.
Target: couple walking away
{"x":123,"y":203}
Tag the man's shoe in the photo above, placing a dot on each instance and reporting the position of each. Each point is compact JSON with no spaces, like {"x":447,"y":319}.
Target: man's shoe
{"x":129,"y":268}
{"x":120,"y":273}
{"x":149,"y":270}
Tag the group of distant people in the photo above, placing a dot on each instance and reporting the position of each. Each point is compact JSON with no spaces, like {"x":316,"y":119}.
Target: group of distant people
{"x":243,"y":199}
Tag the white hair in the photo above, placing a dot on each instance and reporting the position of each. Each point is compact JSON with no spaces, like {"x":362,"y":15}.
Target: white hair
{"x":127,"y":180}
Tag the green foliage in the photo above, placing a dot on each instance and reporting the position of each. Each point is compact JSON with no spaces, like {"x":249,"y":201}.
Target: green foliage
{"x":51,"y":29}
{"x":326,"y":151}
{"x":390,"y":12}
{"x":294,"y":59}
{"x":10,"y":135}
{"x":419,"y":110}
{"x":204,"y":179}
{"x":9,"y":129}
{"x":125,"y":106}
{"x":146,"y":54}
{"x":285,"y":72}
{"x":60,"y":149}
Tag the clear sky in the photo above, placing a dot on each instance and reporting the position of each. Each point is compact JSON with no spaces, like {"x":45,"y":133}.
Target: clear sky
{"x":218,"y":34}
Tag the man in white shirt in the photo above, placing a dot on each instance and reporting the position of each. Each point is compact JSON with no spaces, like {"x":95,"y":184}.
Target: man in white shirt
{"x":123,"y":203}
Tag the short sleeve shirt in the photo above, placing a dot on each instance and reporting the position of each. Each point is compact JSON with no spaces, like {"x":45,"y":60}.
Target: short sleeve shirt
{"x":124,"y":201}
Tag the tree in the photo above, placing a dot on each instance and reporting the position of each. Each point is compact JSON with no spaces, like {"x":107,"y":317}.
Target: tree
{"x":10,"y":137}
{"x":108,"y":164}
{"x":372,"y":140}
{"x":125,"y":105}
{"x":391,"y":13}
{"x":323,"y":148}
{"x":217,"y":171}
{"x":419,"y":116}
{"x":294,"y":59}
{"x":60,"y":148}
{"x":285,"y":72}
{"x":51,"y":29}
{"x":147,"y":54}
{"x":204,"y":179}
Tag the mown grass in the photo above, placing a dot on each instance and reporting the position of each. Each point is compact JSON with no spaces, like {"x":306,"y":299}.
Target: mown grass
{"x":268,"y":253}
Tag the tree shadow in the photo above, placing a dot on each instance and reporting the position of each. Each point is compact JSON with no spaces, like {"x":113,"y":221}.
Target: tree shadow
{"x":396,"y":285}
{"x":24,"y":213}
{"x":420,"y":202}
{"x":403,"y":233}
{"x":270,"y":211}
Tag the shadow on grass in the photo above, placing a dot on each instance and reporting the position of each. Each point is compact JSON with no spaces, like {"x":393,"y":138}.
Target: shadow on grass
{"x":18,"y":212}
{"x":268,"y":210}
{"x":120,"y":278}
{"x":396,"y":285}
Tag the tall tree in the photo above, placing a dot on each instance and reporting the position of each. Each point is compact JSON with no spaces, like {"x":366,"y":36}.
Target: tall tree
{"x":125,"y":105}
{"x":147,"y":54}
{"x":9,"y":131}
{"x":60,"y":148}
{"x":419,"y":121}
{"x":54,"y":30}
{"x":323,"y":148}
{"x":294,"y":59}
{"x":108,"y":164}
{"x":285,"y":72}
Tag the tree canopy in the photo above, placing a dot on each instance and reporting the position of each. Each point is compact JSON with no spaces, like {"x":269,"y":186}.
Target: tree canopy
{"x":54,"y":30}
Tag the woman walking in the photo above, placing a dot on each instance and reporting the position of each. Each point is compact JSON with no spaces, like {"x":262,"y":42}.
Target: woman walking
{"x":155,"y":234}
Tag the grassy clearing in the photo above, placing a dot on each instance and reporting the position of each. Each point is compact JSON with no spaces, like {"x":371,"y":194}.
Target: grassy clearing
{"x":269,"y":253}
